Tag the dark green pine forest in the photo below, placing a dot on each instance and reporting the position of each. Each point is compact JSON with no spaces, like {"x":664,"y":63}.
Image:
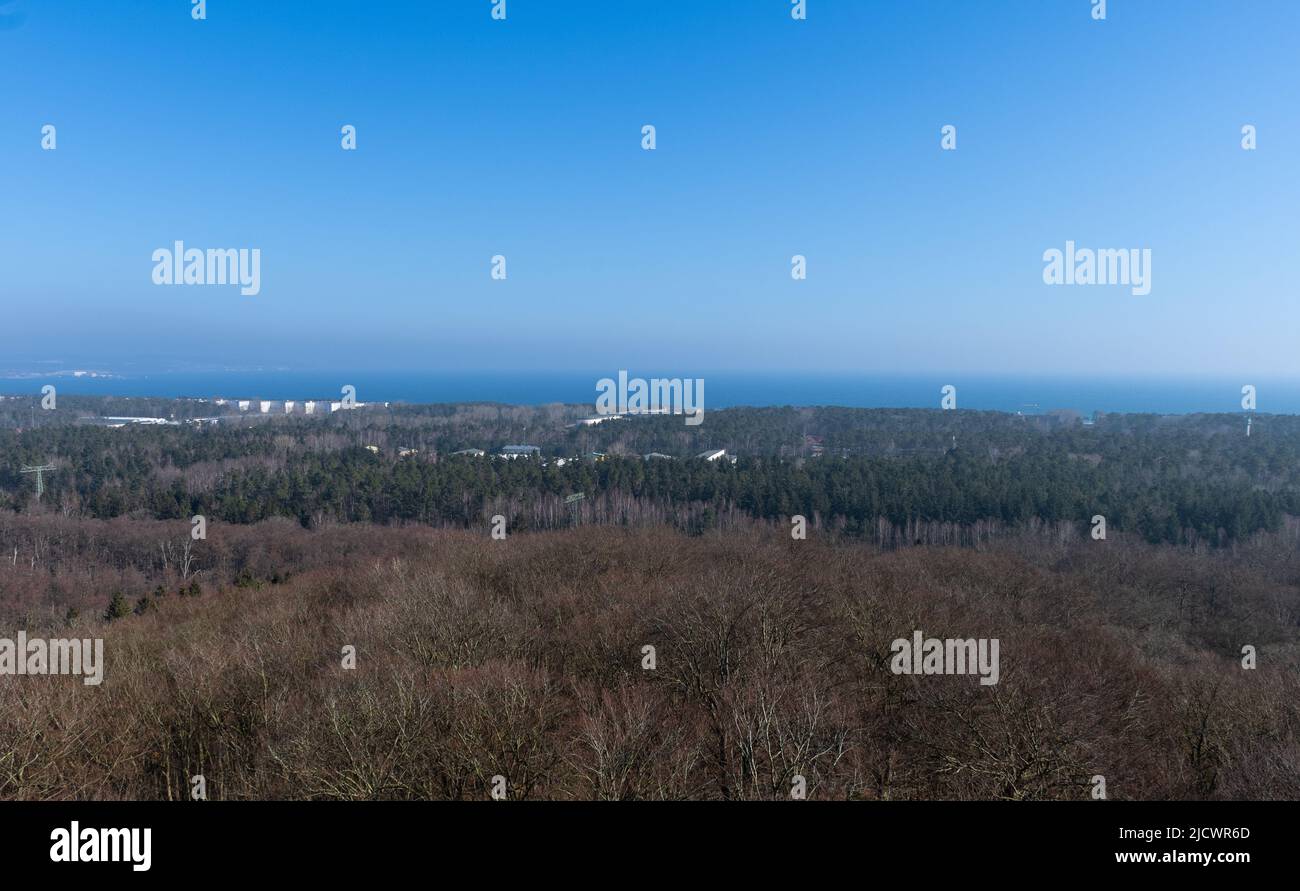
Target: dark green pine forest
{"x":875,"y":474}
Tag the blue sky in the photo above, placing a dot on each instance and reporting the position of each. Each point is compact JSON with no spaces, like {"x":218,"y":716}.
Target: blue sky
{"x":775,"y":137}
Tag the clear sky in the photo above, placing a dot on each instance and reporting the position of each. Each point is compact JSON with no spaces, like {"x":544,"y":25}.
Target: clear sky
{"x":775,"y":137}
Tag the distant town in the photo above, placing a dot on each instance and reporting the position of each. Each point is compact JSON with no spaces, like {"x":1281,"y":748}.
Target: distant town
{"x":229,"y":410}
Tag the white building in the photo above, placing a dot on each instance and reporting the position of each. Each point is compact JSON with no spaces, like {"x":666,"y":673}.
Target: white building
{"x":712,"y":454}
{"x":243,"y":405}
{"x":309,"y":408}
{"x":288,"y":407}
{"x":122,"y":422}
{"x":266,"y":407}
{"x":592,"y":422}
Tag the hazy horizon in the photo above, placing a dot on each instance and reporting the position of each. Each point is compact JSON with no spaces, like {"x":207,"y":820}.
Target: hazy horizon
{"x":1027,"y":394}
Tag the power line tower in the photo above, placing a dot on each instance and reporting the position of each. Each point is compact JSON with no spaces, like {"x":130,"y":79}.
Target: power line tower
{"x":574,"y":502}
{"x":40,"y":470}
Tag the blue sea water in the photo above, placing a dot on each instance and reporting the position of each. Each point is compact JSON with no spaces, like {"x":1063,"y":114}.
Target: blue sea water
{"x":1031,"y":395}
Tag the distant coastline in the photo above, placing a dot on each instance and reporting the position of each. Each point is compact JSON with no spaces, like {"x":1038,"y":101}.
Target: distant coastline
{"x":1015,"y":394}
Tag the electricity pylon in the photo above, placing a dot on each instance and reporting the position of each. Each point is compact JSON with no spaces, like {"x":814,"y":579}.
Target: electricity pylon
{"x":39,"y":470}
{"x":573,"y":501}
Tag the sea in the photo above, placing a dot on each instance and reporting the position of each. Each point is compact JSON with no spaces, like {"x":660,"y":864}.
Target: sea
{"x":724,"y":389}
